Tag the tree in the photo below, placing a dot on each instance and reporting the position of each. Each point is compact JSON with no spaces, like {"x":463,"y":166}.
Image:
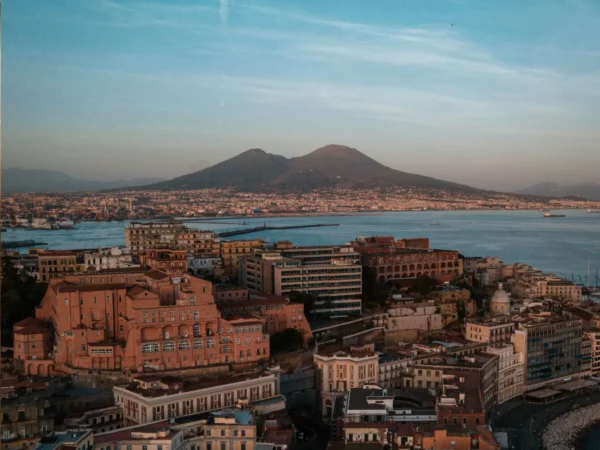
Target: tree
{"x":287,"y":340}
{"x":308,"y":300}
{"x":423,"y":285}
{"x":20,"y":296}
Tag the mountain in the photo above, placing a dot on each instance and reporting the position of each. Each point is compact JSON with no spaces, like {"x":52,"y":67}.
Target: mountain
{"x":17,"y":180}
{"x":588,"y":191}
{"x":329,"y":166}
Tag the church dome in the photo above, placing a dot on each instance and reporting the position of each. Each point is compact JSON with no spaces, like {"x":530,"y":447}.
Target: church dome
{"x":500,"y":296}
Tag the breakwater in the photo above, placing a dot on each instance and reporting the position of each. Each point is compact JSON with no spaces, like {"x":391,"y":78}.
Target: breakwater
{"x":565,"y":432}
{"x":268,"y":228}
{"x":19,"y":244}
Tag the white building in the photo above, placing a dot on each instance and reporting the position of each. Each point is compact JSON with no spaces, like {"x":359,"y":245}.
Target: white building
{"x":510,"y":371}
{"x":109,"y":258}
{"x":205,"y":263}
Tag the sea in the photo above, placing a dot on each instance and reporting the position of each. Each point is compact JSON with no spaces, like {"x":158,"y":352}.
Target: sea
{"x":565,"y":246}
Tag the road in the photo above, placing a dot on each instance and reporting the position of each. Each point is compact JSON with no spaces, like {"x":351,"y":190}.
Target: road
{"x":525,"y":421}
{"x":316,"y":433}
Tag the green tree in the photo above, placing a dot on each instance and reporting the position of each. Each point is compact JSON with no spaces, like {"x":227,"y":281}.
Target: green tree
{"x":20,"y":296}
{"x":287,"y":340}
{"x":308,"y":300}
{"x":423,"y":285}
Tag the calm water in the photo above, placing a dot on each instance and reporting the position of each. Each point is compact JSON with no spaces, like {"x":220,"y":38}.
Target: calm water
{"x":592,"y":440}
{"x":559,"y":245}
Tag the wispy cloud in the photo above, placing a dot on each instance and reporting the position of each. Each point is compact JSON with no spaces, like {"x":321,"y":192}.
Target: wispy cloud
{"x":223,"y":11}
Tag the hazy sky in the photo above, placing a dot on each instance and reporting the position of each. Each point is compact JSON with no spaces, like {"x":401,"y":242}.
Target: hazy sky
{"x":496,"y":94}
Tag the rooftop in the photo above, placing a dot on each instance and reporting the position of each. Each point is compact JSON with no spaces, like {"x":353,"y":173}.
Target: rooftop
{"x":58,"y":440}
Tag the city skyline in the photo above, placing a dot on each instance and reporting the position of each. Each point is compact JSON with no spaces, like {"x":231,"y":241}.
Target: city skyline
{"x":499,"y":96}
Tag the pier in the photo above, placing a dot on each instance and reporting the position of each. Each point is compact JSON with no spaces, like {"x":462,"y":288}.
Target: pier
{"x":267,"y":228}
{"x":16,"y":244}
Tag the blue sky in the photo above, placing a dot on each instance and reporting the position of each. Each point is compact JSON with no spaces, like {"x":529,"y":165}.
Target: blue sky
{"x":496,"y":94}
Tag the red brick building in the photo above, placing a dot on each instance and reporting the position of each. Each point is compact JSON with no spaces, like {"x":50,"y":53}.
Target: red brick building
{"x":165,"y":260}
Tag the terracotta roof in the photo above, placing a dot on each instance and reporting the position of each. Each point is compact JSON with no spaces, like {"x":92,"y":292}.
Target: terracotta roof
{"x":137,"y":290}
{"x":30,"y":325}
{"x":125,"y":435}
{"x":122,"y":270}
{"x":156,"y":274}
{"x":68,"y":287}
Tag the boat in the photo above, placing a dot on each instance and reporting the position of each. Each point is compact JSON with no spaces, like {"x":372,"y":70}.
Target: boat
{"x":435,"y":222}
{"x":593,"y":211}
{"x":554,"y":215}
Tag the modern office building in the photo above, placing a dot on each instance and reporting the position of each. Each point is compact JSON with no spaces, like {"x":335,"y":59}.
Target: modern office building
{"x":552,"y":350}
{"x":336,"y":284}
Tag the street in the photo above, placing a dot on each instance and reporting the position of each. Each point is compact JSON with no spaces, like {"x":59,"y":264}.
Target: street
{"x":525,"y":421}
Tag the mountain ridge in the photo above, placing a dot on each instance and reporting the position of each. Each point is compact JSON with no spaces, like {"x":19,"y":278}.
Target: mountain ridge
{"x":588,"y":191}
{"x":18,"y":180}
{"x":333,"y":165}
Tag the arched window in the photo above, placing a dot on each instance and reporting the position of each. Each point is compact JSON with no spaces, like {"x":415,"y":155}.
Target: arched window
{"x":184,"y":345}
{"x":196,"y":314}
{"x":210,"y":342}
{"x":226,"y":349}
{"x":149,"y":347}
{"x":168,"y":347}
{"x":196,"y":329}
{"x":197,"y":343}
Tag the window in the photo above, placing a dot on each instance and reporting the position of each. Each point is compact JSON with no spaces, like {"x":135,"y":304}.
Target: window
{"x":222,"y":432}
{"x":159,"y":447}
{"x":243,"y":432}
{"x":184,"y":345}
{"x":243,"y":446}
{"x":149,"y":348}
{"x":223,"y":446}
{"x":210,"y":342}
{"x":196,"y":314}
{"x":168,"y":347}
{"x":208,"y":445}
{"x":197,"y":343}
{"x":144,"y":447}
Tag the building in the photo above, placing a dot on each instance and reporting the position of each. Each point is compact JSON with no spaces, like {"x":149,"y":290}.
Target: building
{"x":414,"y":316}
{"x":510,"y":371}
{"x":531,"y":283}
{"x":25,"y":421}
{"x":374,"y":404}
{"x":231,"y":251}
{"x":108,"y":258}
{"x":205,"y":264}
{"x":552,"y":350}
{"x":157,"y":398}
{"x":486,"y":271}
{"x":140,"y":237}
{"x":492,"y":330}
{"x":458,"y":438}
{"x":277,"y":312}
{"x":57,"y":264}
{"x":393,"y":367}
{"x":67,"y":440}
{"x":165,"y":260}
{"x":500,"y":302}
{"x":339,"y":371}
{"x":336,"y":284}
{"x":99,"y":420}
{"x":33,"y":342}
{"x":468,"y":385}
{"x":315,"y":254}
{"x":594,"y":337}
{"x":230,"y":429}
{"x":391,"y":261}
{"x":157,"y":436}
{"x":143,"y":321}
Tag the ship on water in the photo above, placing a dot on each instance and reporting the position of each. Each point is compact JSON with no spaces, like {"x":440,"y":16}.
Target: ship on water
{"x":554,"y":215}
{"x":593,"y":211}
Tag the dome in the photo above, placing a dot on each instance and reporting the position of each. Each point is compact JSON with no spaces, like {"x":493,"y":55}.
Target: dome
{"x":500,"y":296}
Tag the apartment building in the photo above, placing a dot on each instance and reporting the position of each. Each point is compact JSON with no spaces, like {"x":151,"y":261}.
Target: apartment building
{"x":142,"y":321}
{"x":155,"y":436}
{"x":67,"y":440}
{"x":108,"y":258}
{"x":165,"y":260}
{"x":99,"y":420}
{"x":493,"y":331}
{"x":531,"y":283}
{"x":510,"y":371}
{"x":140,"y":237}
{"x":594,"y":337}
{"x":552,"y":350}
{"x":24,"y":421}
{"x":56,"y":264}
{"x":336,"y":284}
{"x":231,"y":251}
{"x":156,"y":398}
{"x":230,"y":429}
{"x":338,"y":371}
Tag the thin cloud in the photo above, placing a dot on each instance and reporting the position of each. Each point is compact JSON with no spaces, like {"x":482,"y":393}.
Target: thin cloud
{"x":224,"y":11}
